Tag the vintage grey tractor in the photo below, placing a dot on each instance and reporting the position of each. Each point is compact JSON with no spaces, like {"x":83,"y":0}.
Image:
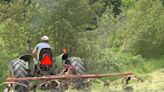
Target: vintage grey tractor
{"x":26,"y":66}
{"x":28,"y":74}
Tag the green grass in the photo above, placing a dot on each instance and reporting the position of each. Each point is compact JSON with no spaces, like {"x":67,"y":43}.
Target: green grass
{"x":151,"y":70}
{"x":148,"y":66}
{"x":153,"y":82}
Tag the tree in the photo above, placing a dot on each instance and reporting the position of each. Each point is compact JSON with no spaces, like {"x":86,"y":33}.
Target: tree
{"x":16,"y":18}
{"x":142,"y":32}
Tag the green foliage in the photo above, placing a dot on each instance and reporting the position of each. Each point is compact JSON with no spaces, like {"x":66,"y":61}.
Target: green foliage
{"x":138,"y":30}
{"x":128,"y":3}
{"x":125,"y":41}
{"x":61,"y":20}
{"x":118,"y":43}
{"x":143,"y":33}
{"x":110,"y":60}
{"x":67,"y":23}
{"x":4,"y":64}
{"x":15,"y":18}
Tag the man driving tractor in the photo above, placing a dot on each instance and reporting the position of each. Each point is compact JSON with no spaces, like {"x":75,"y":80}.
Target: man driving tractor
{"x":43,"y":45}
{"x":43,"y":63}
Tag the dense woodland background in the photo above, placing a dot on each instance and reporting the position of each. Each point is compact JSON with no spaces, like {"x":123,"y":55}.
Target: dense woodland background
{"x":110,"y":35}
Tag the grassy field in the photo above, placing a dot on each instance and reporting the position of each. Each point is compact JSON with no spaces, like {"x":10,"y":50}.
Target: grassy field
{"x":152,"y":72}
{"x":153,"y":82}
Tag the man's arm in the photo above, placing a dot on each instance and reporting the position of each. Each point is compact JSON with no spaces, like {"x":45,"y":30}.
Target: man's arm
{"x":34,"y":51}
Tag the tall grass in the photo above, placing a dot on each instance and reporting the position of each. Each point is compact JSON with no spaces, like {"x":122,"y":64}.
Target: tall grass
{"x":149,"y":65}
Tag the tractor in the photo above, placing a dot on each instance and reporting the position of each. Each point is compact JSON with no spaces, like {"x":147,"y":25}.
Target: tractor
{"x":25,"y":66}
{"x":27,"y":74}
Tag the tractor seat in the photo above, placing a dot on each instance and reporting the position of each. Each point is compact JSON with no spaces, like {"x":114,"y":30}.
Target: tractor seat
{"x":44,"y":52}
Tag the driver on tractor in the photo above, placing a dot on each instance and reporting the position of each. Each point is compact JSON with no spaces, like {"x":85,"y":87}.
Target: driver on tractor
{"x":42,"y":49}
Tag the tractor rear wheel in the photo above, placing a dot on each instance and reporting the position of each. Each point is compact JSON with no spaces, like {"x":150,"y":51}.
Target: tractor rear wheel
{"x":79,"y":84}
{"x":78,"y":64}
{"x":18,"y":69}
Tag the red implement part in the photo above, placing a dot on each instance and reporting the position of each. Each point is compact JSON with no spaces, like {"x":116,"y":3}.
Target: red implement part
{"x":46,"y":60}
{"x":70,"y":76}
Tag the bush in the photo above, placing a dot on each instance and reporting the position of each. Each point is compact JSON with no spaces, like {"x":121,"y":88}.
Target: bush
{"x":143,"y":33}
{"x":114,"y":61}
{"x":138,"y":30}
